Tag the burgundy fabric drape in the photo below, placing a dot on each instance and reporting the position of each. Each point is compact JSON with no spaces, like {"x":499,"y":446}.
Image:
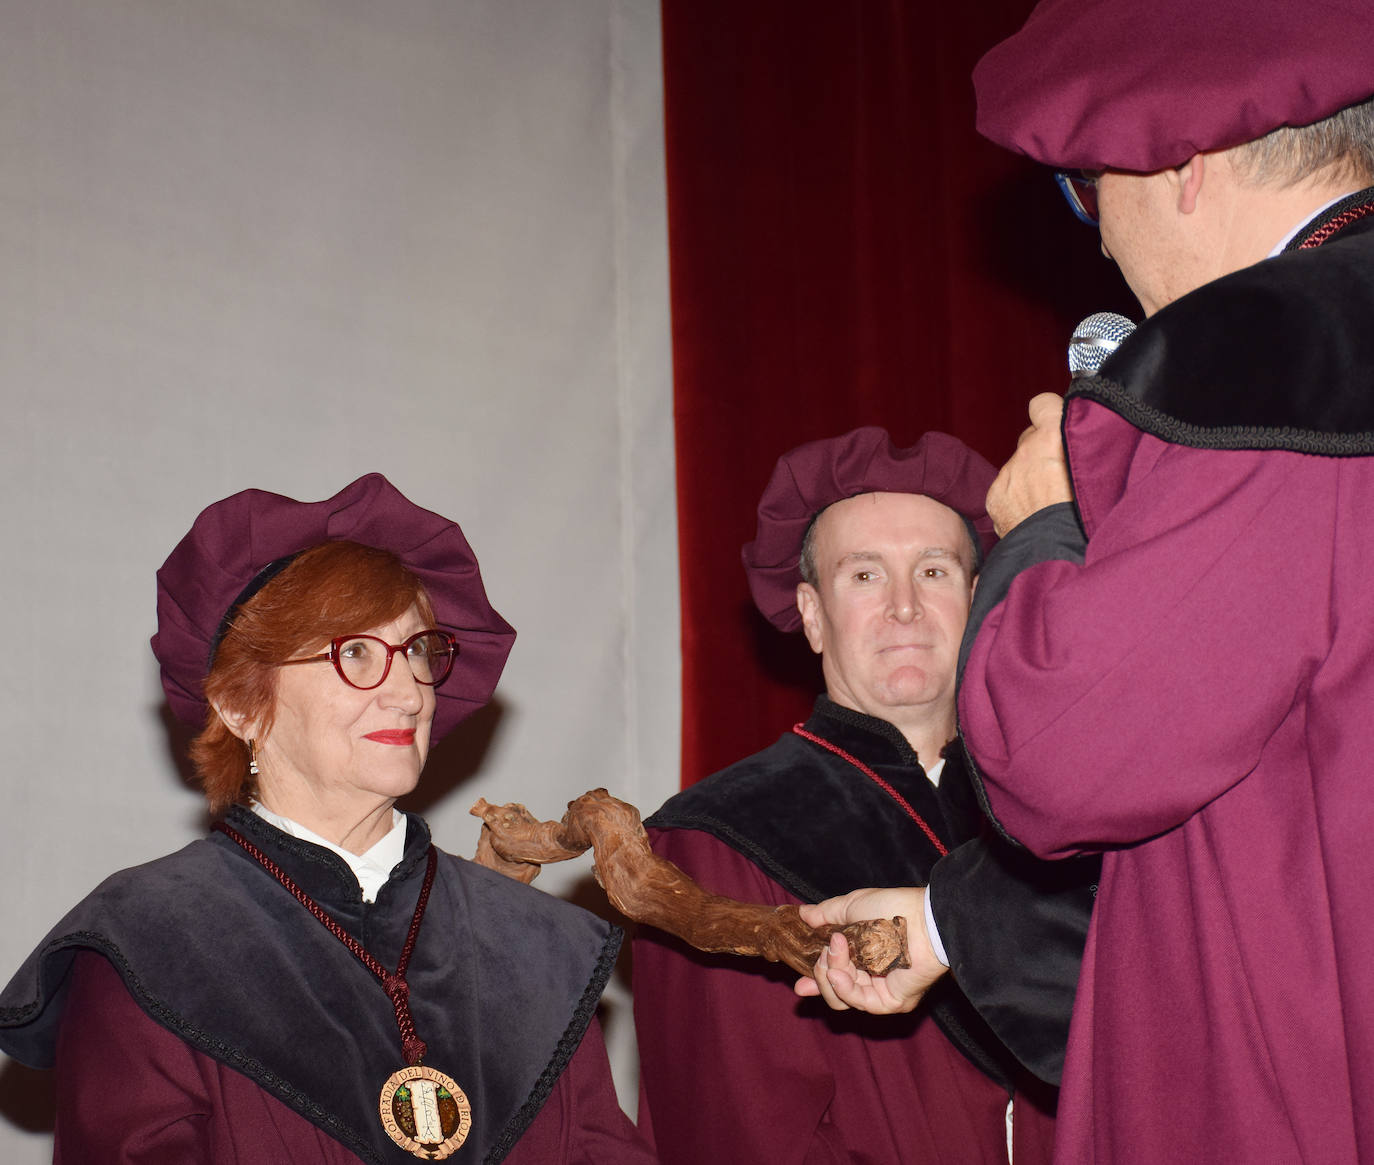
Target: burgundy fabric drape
{"x":844,"y":250}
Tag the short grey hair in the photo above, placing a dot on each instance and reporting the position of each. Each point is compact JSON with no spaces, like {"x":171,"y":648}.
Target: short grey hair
{"x":1343,"y":142}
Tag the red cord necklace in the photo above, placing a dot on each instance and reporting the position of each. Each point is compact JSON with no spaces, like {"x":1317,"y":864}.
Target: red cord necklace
{"x":877,"y":780}
{"x":423,"y":1110}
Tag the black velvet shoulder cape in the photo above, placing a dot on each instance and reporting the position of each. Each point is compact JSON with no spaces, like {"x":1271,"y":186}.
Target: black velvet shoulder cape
{"x":1278,"y":355}
{"x":503,"y":982}
{"x":791,"y":810}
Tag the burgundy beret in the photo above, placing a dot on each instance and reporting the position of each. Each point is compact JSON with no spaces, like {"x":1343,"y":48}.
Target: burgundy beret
{"x":1146,"y":84}
{"x":234,"y":539}
{"x":814,"y":475}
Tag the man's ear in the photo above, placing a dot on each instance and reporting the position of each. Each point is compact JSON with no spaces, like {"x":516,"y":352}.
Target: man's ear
{"x":1189,"y":177}
{"x":237,"y":723}
{"x":809,"y":604}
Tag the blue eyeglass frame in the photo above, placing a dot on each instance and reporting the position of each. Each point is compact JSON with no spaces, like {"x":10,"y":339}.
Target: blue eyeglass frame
{"x":1080,"y":192}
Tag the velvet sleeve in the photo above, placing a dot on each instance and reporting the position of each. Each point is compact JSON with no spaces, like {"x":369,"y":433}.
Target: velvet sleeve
{"x":1014,"y":928}
{"x":1049,"y":534}
{"x":1107,"y":702}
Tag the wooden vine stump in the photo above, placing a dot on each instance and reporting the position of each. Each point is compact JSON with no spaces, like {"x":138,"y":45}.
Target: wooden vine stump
{"x":650,"y":889}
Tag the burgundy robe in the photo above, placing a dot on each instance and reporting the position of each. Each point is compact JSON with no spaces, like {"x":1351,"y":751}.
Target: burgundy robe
{"x":733,"y":1066}
{"x":1194,"y":700}
{"x":195,"y":1010}
{"x":131,"y":1092}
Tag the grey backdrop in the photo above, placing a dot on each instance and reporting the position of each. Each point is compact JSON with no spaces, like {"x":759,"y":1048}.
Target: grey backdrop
{"x":281,"y":243}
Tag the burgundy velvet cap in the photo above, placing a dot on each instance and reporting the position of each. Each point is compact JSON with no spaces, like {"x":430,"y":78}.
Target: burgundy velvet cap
{"x":1146,"y":84}
{"x":234,"y":539}
{"x":814,"y":475}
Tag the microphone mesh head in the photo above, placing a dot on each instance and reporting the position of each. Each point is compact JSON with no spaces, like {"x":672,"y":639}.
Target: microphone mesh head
{"x":1096,"y":338}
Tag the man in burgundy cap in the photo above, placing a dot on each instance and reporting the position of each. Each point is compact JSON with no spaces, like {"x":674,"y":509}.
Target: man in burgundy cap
{"x":871,"y":551}
{"x":1174,"y":661}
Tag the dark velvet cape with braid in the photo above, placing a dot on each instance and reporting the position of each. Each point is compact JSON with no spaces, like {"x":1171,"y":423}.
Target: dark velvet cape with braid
{"x":503,"y":981}
{"x":1013,"y":926}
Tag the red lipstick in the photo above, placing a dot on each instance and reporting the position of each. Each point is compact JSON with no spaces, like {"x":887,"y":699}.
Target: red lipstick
{"x":398,"y":736}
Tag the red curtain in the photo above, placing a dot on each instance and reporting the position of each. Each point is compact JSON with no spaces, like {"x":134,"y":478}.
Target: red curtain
{"x":844,"y":250}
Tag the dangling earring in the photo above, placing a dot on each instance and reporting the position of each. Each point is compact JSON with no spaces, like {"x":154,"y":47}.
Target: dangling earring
{"x":252,"y":760}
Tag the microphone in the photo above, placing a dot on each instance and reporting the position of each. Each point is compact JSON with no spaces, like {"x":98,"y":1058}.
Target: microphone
{"x":1096,"y":338}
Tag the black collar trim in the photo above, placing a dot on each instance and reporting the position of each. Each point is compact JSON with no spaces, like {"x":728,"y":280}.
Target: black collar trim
{"x":1224,"y":437}
{"x":1274,"y":356}
{"x":888,"y":733}
{"x":323,"y":874}
{"x":1356,"y":201}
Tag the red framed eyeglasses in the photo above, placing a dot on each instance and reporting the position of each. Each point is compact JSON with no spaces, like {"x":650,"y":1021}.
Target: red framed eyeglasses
{"x":364,"y":661}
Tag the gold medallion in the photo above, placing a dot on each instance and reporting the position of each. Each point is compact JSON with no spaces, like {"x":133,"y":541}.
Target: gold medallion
{"x":425,"y":1112}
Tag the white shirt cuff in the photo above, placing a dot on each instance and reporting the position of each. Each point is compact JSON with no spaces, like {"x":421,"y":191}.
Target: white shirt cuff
{"x":933,"y":933}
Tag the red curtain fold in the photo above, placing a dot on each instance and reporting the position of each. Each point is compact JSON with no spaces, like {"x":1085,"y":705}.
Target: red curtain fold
{"x":844,"y":250}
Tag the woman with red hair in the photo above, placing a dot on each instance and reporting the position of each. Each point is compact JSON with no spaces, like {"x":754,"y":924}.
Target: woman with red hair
{"x":315,"y":981}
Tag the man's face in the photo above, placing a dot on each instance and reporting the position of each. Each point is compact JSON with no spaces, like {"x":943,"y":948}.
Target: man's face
{"x":893,"y":581}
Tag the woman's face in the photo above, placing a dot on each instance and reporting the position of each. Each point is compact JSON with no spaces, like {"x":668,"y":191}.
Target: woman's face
{"x":339,"y":746}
